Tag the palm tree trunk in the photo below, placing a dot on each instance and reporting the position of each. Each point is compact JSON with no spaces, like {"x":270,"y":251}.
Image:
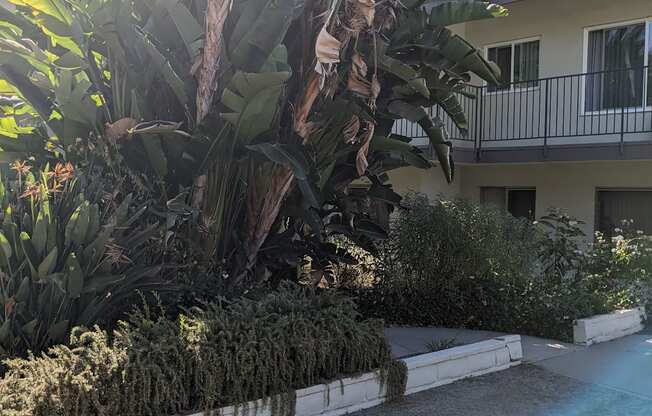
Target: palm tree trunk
{"x":207,"y":79}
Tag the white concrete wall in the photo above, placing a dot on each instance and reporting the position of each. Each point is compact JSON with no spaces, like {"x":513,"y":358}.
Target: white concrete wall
{"x":603,"y":328}
{"x":569,"y":186}
{"x":424,"y":372}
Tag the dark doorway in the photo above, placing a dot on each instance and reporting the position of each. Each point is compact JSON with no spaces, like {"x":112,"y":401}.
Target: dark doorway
{"x":521,"y":203}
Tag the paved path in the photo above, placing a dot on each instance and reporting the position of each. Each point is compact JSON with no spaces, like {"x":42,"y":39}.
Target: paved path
{"x":557,"y":379}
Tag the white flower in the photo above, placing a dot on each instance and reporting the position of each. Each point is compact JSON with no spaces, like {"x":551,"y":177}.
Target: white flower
{"x":618,"y":230}
{"x":573,"y":223}
{"x":639,"y":232}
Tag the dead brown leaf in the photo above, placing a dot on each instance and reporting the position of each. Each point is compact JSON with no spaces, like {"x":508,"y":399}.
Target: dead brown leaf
{"x":375,"y":90}
{"x":361,"y":162}
{"x":351,"y":129}
{"x":360,"y":14}
{"x":120,"y":129}
{"x":9,"y":306}
{"x":357,"y":81}
{"x":302,"y":111}
{"x":327,"y":48}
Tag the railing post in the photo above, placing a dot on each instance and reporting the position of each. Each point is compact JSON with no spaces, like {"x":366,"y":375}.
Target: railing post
{"x":622,"y":129}
{"x":480,"y":127}
{"x":475,"y":125}
{"x":546,"y":119}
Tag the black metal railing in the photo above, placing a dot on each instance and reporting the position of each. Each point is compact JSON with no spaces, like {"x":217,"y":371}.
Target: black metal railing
{"x":606,"y":103}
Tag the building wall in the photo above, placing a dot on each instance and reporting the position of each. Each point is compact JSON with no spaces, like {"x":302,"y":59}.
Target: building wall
{"x":430,"y":182}
{"x":559,"y":23}
{"x":569,"y":186}
{"x":556,"y":107}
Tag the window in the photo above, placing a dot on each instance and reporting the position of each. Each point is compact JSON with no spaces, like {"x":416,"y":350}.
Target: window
{"x":518,"y":63}
{"x":519,"y":202}
{"x":614,"y":206}
{"x":616,"y":60}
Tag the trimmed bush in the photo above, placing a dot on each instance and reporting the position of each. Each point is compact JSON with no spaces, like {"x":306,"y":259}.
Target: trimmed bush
{"x":462,"y":264}
{"x":221,"y":354}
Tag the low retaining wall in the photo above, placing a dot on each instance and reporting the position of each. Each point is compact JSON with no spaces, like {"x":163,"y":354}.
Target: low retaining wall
{"x":601,"y":328}
{"x":425,"y":371}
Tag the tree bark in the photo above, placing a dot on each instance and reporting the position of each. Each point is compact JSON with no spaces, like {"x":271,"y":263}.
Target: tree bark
{"x":207,"y":79}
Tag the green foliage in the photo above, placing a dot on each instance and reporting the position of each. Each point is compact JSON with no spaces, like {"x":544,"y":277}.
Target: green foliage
{"x":621,"y":266}
{"x":69,"y":256}
{"x":435,"y":245}
{"x":221,"y":354}
{"x":461,"y":264}
{"x":560,"y":252}
{"x":96,"y":67}
{"x":133,"y":72}
{"x":393,"y":377}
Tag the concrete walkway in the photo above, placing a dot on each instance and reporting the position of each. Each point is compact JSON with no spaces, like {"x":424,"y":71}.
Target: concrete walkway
{"x":556,"y":379}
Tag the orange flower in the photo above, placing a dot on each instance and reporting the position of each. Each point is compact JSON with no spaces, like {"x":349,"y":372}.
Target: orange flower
{"x":62,"y":172}
{"x":33,"y":190}
{"x":21,"y":167}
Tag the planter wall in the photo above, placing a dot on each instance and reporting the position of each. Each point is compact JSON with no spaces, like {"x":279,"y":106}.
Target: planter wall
{"x":425,"y":371}
{"x":601,"y":328}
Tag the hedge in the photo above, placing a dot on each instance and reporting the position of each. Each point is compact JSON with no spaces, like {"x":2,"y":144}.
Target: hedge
{"x":210,"y":357}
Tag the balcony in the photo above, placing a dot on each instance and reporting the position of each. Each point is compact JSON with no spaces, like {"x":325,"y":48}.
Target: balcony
{"x":603,"y":115}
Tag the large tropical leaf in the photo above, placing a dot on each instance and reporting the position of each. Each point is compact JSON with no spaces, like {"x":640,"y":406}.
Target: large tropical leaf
{"x":433,"y":129}
{"x":261,"y":26}
{"x":253,"y":98}
{"x":294,"y":158}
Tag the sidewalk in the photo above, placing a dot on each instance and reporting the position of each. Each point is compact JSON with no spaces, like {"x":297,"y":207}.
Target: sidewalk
{"x":410,"y":341}
{"x":556,"y":379}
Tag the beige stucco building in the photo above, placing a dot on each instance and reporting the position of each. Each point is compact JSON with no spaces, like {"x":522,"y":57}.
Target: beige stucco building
{"x":571,"y":125}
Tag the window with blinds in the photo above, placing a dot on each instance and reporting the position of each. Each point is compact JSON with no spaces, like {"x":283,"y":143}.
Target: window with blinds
{"x":616,"y":63}
{"x":614,"y":206}
{"x":518,"y":62}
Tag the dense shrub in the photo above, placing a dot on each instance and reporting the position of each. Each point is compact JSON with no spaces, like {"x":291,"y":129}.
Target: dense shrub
{"x":463,"y":264}
{"x":221,"y":354}
{"x":437,"y":245}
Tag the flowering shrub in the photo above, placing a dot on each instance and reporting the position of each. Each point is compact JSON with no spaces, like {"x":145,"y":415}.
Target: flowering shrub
{"x":620,"y":266}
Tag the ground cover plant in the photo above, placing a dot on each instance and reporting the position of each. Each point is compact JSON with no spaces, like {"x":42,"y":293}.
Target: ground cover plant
{"x":220,"y":354}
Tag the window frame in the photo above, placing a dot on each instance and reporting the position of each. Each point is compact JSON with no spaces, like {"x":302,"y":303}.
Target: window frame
{"x":512,"y":43}
{"x":645,"y":105}
{"x":596,"y":200}
{"x":509,"y":189}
